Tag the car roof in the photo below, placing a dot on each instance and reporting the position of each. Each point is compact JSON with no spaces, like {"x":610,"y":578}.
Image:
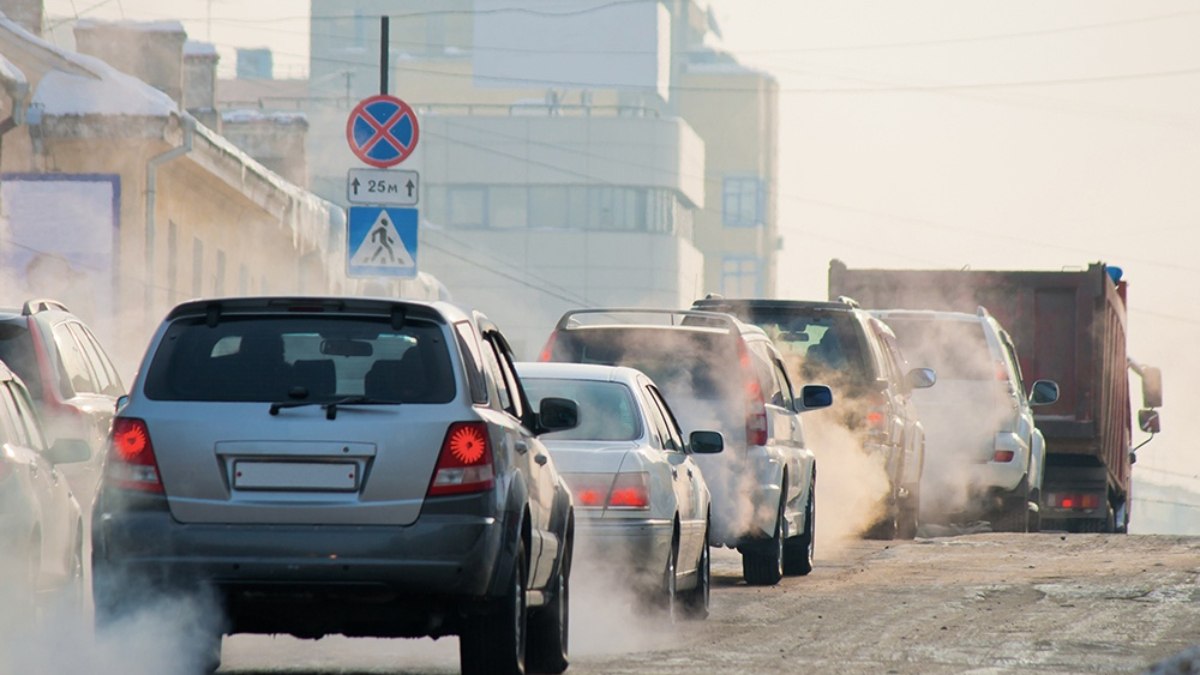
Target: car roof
{"x":579,"y":371}
{"x":289,"y":304}
{"x":928,"y":314}
{"x":716,"y":304}
{"x":676,"y":320}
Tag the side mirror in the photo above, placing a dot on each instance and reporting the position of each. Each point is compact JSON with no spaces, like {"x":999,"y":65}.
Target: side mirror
{"x":69,"y":451}
{"x":815,"y":397}
{"x":706,"y":442}
{"x":122,"y":401}
{"x":1044,"y":392}
{"x":1148,"y":421}
{"x":1152,"y":396}
{"x":557,"y":414}
{"x":920,"y":378}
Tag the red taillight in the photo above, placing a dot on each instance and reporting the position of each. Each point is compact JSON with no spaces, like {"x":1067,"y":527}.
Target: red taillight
{"x":627,"y":491}
{"x":1076,"y":501}
{"x":630,"y":491}
{"x":131,"y":462}
{"x":756,"y":408}
{"x":1003,"y":456}
{"x":548,"y":351}
{"x":590,"y":490}
{"x":877,"y":414}
{"x":465,"y":462}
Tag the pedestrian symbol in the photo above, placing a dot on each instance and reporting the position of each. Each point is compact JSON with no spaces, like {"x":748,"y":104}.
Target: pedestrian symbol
{"x":382,"y":242}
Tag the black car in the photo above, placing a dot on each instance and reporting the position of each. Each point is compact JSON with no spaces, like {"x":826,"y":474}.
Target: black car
{"x":340,"y":465}
{"x":842,"y":345}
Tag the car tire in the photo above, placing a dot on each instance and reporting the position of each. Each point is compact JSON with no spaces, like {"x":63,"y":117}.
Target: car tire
{"x":494,"y":642}
{"x":69,"y":601}
{"x":668,"y":602}
{"x":799,"y":551}
{"x":1014,"y":517}
{"x":694,"y":602}
{"x":1035,"y":517}
{"x":762,"y":563}
{"x":909,"y":520}
{"x":885,"y":528}
{"x":549,"y":627}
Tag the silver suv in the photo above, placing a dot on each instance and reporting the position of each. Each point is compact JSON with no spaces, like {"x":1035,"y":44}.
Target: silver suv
{"x":340,"y":465}
{"x":720,"y":373}
{"x":983,"y":455}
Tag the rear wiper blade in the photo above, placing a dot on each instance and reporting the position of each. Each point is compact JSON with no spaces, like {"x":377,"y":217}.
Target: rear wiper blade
{"x":331,"y":407}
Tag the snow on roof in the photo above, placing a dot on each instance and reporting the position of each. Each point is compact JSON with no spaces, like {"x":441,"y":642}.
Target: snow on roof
{"x":197,"y":48}
{"x":107,"y":91}
{"x":110,"y":92}
{"x":248,"y":115}
{"x":144,"y":26}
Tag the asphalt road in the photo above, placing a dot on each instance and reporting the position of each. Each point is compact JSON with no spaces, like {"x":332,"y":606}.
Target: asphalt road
{"x":982,"y":603}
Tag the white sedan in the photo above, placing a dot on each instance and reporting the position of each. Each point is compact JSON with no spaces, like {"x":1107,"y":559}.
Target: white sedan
{"x":641,"y":503}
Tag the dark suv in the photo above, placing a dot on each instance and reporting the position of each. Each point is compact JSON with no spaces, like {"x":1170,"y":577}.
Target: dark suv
{"x":70,"y":377}
{"x":857,"y":354}
{"x":339,"y":465}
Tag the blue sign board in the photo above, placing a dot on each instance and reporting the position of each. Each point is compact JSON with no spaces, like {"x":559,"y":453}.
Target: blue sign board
{"x":381,"y":242}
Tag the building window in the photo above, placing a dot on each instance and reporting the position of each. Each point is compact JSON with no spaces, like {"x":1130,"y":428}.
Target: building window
{"x":466,"y":206}
{"x":549,"y":206}
{"x":508,"y":208}
{"x":741,"y":276}
{"x":742,"y":201}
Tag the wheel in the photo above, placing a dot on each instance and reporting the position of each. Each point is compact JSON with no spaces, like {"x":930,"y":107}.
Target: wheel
{"x":1035,"y":517}
{"x":694,"y":602}
{"x":549,"y":626}
{"x":1014,"y":517}
{"x":669,"y":600}
{"x":798,"y":551}
{"x":69,"y":599}
{"x":762,"y":563}
{"x":885,"y":528}
{"x":495,"y":642}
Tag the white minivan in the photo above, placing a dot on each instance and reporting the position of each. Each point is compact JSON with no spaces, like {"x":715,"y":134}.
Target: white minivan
{"x":984,"y":458}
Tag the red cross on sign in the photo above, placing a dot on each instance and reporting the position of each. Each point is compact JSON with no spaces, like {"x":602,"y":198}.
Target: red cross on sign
{"x":382,"y":131}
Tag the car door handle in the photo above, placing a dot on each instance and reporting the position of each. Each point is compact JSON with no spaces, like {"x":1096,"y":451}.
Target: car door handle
{"x":690,"y":473}
{"x":521,"y":446}
{"x":541,"y":459}
{"x":674,"y":472}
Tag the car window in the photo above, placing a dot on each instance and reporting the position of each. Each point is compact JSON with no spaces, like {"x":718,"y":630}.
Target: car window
{"x":673,"y":434}
{"x":606,"y":409}
{"x":501,"y":370}
{"x":101,"y":362}
{"x":302,"y":358}
{"x":760,"y":357}
{"x":91,"y":353}
{"x":27,"y":418}
{"x":472,"y":361}
{"x":79,"y":377}
{"x":892,"y":356}
{"x":783,"y":385}
{"x":821,"y":342}
{"x":1014,"y":364}
{"x":8,"y":418}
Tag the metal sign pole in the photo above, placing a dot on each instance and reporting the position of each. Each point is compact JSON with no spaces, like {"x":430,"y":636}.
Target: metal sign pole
{"x":383,"y":54}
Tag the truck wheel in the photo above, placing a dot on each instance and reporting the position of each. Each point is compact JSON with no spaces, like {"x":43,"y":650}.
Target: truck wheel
{"x":762,"y":563}
{"x":885,"y":528}
{"x":495,"y":642}
{"x":798,"y":551}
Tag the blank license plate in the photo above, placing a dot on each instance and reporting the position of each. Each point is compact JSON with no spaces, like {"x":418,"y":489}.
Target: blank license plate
{"x":295,"y":476}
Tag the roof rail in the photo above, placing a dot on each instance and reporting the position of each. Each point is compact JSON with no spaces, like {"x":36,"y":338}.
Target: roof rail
{"x":631,"y":316}
{"x":42,"y":305}
{"x":847,"y":300}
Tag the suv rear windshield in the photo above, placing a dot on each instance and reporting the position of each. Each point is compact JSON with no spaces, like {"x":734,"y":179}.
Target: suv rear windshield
{"x":822,"y":341}
{"x":300,"y":358}
{"x":606,"y":411}
{"x":956,"y":350}
{"x":16,"y":350}
{"x":694,"y":363}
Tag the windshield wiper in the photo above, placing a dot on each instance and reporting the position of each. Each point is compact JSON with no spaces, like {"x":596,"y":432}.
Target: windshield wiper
{"x":276,"y":407}
{"x":330,"y":407}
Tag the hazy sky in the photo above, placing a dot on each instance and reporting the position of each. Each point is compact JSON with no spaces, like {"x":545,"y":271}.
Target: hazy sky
{"x":1008,"y":134}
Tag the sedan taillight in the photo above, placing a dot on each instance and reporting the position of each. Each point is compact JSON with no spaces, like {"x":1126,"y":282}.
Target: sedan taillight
{"x":626,"y":491}
{"x":465,"y":463}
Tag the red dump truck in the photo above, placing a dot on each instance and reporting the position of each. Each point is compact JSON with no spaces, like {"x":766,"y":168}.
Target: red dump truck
{"x":1070,"y":327}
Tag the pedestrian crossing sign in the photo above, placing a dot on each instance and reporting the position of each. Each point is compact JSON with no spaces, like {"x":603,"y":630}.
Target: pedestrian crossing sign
{"x":381,"y":242}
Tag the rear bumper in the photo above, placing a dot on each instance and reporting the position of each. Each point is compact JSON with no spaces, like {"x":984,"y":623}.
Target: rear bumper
{"x":745,"y":495}
{"x":624,"y":547}
{"x":309,"y":581}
